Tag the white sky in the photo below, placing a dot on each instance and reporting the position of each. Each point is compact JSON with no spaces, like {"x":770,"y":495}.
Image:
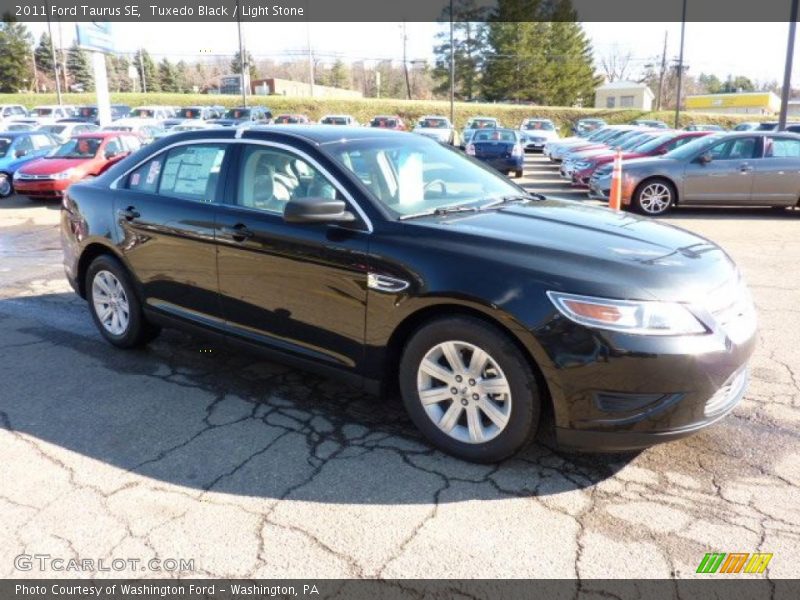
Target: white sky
{"x":756,"y":50}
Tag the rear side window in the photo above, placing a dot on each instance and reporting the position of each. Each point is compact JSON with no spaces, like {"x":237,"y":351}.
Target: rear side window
{"x":782,"y":148}
{"x":186,"y":172}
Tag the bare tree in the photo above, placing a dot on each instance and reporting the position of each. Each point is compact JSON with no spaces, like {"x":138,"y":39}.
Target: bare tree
{"x":615,"y":63}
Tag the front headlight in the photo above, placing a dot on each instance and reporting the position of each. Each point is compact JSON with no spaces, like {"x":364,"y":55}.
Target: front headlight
{"x":64,"y":174}
{"x":584,"y":164}
{"x":628,"y":316}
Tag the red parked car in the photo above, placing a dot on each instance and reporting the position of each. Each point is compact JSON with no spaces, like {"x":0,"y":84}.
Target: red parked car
{"x":388,"y":122}
{"x":84,"y":155}
{"x":291,"y":119}
{"x":655,"y":147}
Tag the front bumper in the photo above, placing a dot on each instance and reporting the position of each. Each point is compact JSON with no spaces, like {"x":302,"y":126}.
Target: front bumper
{"x":50,"y":188}
{"x":504,"y":164}
{"x":616,"y":392}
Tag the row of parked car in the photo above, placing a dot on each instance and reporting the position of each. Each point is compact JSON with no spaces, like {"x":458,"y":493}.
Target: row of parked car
{"x":663,"y":167}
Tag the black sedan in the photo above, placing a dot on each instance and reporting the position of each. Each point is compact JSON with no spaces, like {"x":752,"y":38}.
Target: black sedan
{"x":396,"y":262}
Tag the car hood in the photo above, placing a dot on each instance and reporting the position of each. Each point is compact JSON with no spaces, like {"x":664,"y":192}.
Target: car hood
{"x":50,"y":166}
{"x":540,"y":133}
{"x":583,"y":249}
{"x":439,"y":134}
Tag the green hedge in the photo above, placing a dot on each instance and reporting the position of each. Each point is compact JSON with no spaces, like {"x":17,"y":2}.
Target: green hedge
{"x":364,"y":109}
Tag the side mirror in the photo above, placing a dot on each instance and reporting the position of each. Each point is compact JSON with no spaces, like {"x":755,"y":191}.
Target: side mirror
{"x":317,"y":210}
{"x":111,"y":154}
{"x":705,"y":158}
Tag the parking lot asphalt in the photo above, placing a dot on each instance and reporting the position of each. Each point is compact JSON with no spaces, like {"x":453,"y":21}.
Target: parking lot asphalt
{"x":189,"y":450}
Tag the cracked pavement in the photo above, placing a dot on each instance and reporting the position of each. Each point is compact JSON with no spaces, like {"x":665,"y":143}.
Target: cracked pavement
{"x":192,"y":450}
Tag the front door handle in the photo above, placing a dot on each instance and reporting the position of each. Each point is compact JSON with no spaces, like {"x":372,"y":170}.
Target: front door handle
{"x":745,"y":168}
{"x":238,"y":232}
{"x":129,"y":214}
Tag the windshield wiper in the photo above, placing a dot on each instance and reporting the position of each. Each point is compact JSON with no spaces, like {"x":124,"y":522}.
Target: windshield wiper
{"x":442,"y":210}
{"x":511,"y":198}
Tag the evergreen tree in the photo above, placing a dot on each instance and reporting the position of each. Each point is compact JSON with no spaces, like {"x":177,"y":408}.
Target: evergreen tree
{"x":78,"y":68}
{"x":339,"y":75}
{"x":148,"y":77}
{"x":182,"y":76}
{"x":469,"y":42}
{"x":44,"y":54}
{"x":167,"y":77}
{"x":236,"y":64}
{"x":16,"y":62}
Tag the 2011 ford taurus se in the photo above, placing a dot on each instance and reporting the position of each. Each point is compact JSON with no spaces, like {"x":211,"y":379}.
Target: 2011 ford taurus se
{"x":393,"y":260}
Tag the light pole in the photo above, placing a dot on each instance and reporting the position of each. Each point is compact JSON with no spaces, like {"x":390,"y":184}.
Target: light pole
{"x":680,"y":69}
{"x":452,"y":70}
{"x":53,"y":53}
{"x":242,"y":61}
{"x":787,"y":73}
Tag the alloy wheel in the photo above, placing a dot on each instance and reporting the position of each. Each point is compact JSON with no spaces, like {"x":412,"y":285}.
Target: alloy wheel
{"x":655,"y":198}
{"x":464,"y":392}
{"x":110,"y":303}
{"x":5,"y":185}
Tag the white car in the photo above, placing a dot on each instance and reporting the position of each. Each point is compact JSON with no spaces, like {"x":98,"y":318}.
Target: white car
{"x":146,"y":129}
{"x":43,"y":115}
{"x":156,"y":114}
{"x":437,"y":127}
{"x":64,"y":131}
{"x":339,"y":120}
{"x":12,"y":111}
{"x":473,"y":125}
{"x":537,"y":132}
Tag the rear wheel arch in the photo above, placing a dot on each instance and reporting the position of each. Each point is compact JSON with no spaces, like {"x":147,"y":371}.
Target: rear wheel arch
{"x":89,"y":254}
{"x":412,"y":323}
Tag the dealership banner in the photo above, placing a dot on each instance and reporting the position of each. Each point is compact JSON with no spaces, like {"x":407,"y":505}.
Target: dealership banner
{"x":707,"y":588}
{"x":407,"y":10}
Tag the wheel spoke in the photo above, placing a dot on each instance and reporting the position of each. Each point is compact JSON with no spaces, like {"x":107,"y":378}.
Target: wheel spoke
{"x":474,"y":424}
{"x":477,"y":361}
{"x":491,"y":410}
{"x":106,"y":312}
{"x":453,"y":357}
{"x":495,"y":385}
{"x":436,"y":371}
{"x":435,"y":395}
{"x":451,"y":417}
{"x":101,"y":282}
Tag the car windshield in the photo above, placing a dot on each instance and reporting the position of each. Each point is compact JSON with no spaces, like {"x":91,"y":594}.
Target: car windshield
{"x":766,"y":126}
{"x":434,"y":123}
{"x":78,"y":148}
{"x":413,"y":175}
{"x":88,"y":112}
{"x":541,"y":125}
{"x":288,"y":119}
{"x":636,"y":141}
{"x":483,"y":124}
{"x":189,"y":113}
{"x":494,"y":136}
{"x":5,"y":144}
{"x":238,"y":113}
{"x":652,"y":144}
{"x":334,"y":121}
{"x":53,"y":128}
{"x":144,"y":113}
{"x":383,"y":122}
{"x":691,"y":149}
{"x":118,"y":128}
{"x":42,"y":112}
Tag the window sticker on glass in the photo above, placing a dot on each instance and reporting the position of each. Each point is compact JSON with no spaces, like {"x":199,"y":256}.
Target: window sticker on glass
{"x":187,"y":171}
{"x":135,"y":179}
{"x":412,"y":187}
{"x":152,"y":173}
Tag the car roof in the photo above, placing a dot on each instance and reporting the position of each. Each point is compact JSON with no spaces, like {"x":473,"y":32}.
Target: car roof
{"x":13,"y":134}
{"x":102,"y":134}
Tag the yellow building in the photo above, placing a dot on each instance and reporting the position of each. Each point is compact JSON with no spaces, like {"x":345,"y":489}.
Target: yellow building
{"x":744,"y":103}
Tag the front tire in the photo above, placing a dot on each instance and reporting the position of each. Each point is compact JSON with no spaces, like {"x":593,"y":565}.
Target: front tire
{"x":654,"y":197}
{"x":114,"y":305}
{"x":6,"y":185}
{"x":518,"y":174}
{"x":469,"y":389}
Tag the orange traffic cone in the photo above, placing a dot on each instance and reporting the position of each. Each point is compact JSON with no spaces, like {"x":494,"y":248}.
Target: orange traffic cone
{"x":615,"y":198}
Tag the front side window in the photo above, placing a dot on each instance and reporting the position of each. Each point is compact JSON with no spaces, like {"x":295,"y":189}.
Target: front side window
{"x":186,"y":172}
{"x":734,"y":149}
{"x":270,"y":177}
{"x":24,"y":144}
{"x":412,"y":176}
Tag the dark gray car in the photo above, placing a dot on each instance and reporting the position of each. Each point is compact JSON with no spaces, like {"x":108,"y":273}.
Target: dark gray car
{"x":729,"y":169}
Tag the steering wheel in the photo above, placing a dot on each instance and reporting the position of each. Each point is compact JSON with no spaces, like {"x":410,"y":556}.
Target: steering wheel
{"x":440,"y":182}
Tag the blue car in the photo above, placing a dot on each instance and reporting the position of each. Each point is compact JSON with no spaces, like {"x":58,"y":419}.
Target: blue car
{"x":499,"y":148}
{"x":18,"y":148}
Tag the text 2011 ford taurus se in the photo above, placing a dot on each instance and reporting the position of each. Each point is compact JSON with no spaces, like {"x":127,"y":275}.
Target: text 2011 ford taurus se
{"x":391,"y":259}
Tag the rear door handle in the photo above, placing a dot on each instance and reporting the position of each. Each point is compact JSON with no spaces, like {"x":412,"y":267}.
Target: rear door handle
{"x":129,"y":214}
{"x":238,"y":232}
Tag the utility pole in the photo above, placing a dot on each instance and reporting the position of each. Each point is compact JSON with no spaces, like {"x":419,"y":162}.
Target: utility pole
{"x":310,"y":60}
{"x":680,"y":69}
{"x":787,"y":73}
{"x":53,"y":53}
{"x":663,"y":71}
{"x":405,"y":62}
{"x":63,"y":56}
{"x":141,"y":68}
{"x":242,"y":62}
{"x":452,"y":69}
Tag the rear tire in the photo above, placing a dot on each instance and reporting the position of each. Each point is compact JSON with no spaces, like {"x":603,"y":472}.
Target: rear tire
{"x":518,"y":174}
{"x":469,"y":389}
{"x":114,"y":305}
